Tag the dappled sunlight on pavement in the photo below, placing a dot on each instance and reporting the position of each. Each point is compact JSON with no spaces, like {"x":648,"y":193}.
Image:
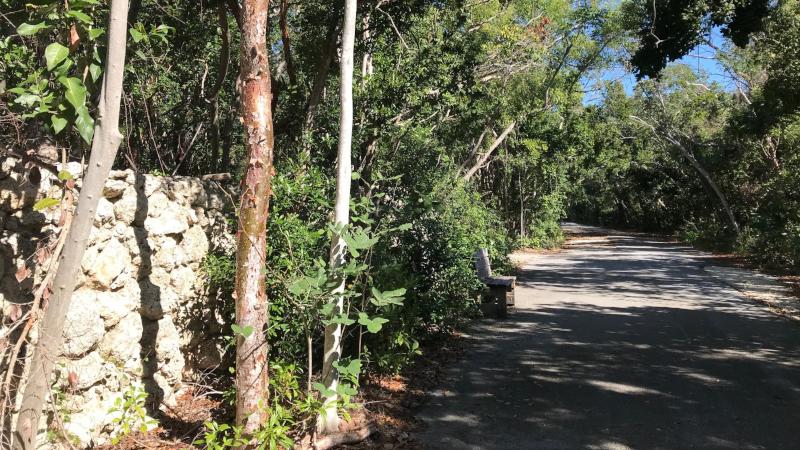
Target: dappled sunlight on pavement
{"x":625,"y":345}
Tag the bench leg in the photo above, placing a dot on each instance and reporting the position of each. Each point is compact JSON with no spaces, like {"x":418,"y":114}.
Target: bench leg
{"x":498,"y":293}
{"x":510,"y":297}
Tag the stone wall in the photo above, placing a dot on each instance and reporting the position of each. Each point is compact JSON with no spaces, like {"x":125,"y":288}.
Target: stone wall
{"x":143,"y":312}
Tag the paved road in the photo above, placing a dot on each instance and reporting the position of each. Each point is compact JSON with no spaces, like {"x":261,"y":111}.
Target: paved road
{"x":623,"y":342}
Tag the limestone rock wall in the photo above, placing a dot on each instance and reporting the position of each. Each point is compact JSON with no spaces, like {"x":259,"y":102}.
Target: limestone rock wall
{"x":143,"y":312}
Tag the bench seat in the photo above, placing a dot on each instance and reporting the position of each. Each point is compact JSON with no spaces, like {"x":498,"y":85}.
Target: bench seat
{"x":501,"y":288}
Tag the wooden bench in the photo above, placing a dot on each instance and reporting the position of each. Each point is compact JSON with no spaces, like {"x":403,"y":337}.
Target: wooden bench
{"x":501,"y":288}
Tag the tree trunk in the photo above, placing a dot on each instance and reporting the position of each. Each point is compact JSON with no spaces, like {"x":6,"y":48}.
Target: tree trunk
{"x":329,"y":421}
{"x":474,"y":151}
{"x":105,"y":144}
{"x":706,"y":177}
{"x":287,"y":48}
{"x":321,"y":76}
{"x":222,"y":72}
{"x":521,"y":207}
{"x":252,"y":312}
{"x":485,"y":157}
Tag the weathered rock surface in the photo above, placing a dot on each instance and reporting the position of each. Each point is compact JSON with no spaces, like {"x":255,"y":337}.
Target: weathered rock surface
{"x":142,"y":313}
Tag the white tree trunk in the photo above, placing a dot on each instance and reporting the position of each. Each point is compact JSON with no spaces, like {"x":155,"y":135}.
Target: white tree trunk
{"x":104,"y":150}
{"x":329,"y":421}
{"x":485,"y":157}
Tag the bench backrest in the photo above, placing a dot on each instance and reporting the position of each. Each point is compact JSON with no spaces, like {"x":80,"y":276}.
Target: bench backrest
{"x":482,"y":264}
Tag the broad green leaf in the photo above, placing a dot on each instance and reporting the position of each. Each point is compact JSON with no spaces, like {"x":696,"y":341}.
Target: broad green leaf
{"x":26,"y":99}
{"x":85,"y":125}
{"x":136,"y":35}
{"x":95,"y":33}
{"x":388,"y":298}
{"x":324,"y":390}
{"x":58,"y":123}
{"x":95,"y":71}
{"x":45,"y":203}
{"x":64,"y":175}
{"x":373,"y":325}
{"x":27,"y":29}
{"x":83,"y":17}
{"x":345,"y":389}
{"x":75,"y":92}
{"x":54,"y":54}
{"x":340,"y":319}
{"x":353,"y":368}
{"x":62,"y":69}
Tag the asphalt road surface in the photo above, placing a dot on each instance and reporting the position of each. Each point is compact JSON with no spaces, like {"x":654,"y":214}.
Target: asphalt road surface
{"x":622,"y":342}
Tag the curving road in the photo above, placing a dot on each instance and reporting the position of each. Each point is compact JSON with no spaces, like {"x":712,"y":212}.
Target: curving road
{"x":618,"y":342}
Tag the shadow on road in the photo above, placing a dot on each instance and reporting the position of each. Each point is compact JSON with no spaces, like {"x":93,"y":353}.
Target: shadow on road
{"x":624,"y":347}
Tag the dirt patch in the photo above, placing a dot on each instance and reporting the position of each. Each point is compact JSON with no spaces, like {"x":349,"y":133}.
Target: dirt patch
{"x":179,"y":426}
{"x":391,"y":401}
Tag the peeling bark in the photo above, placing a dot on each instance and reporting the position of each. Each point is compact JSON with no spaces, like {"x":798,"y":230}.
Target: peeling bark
{"x":252,"y":378}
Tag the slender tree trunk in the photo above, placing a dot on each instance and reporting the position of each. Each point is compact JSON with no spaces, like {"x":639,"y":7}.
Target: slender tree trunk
{"x":226,"y":134}
{"x":329,"y":421}
{"x":521,"y":207}
{"x":485,"y":157}
{"x":105,"y":144}
{"x":252,"y":378}
{"x":706,"y":177}
{"x":222,"y":72}
{"x":321,"y":76}
{"x":287,"y":47}
{"x":474,"y":151}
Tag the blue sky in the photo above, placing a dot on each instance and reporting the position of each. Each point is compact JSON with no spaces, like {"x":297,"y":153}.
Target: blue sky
{"x":702,"y":59}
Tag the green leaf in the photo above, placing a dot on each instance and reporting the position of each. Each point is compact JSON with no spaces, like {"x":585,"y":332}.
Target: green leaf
{"x":58,"y":123}
{"x":27,"y":29}
{"x":80,"y":16}
{"x":373,"y":325}
{"x":245,"y":332}
{"x":95,"y":33}
{"x":324,"y":390}
{"x":347,"y":390}
{"x":341,"y":319}
{"x":136,"y":35}
{"x":388,"y":298}
{"x":75,"y":92}
{"x":45,"y":203}
{"x":54,"y":54}
{"x":352,"y":369}
{"x":64,"y":175}
{"x":26,"y":99}
{"x":95,"y":71}
{"x":85,"y":125}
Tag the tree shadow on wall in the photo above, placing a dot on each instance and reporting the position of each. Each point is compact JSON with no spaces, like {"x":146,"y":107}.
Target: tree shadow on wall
{"x":150,"y":304}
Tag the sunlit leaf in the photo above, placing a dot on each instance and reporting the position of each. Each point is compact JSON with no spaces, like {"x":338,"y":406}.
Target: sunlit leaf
{"x":54,"y":54}
{"x":27,"y":29}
